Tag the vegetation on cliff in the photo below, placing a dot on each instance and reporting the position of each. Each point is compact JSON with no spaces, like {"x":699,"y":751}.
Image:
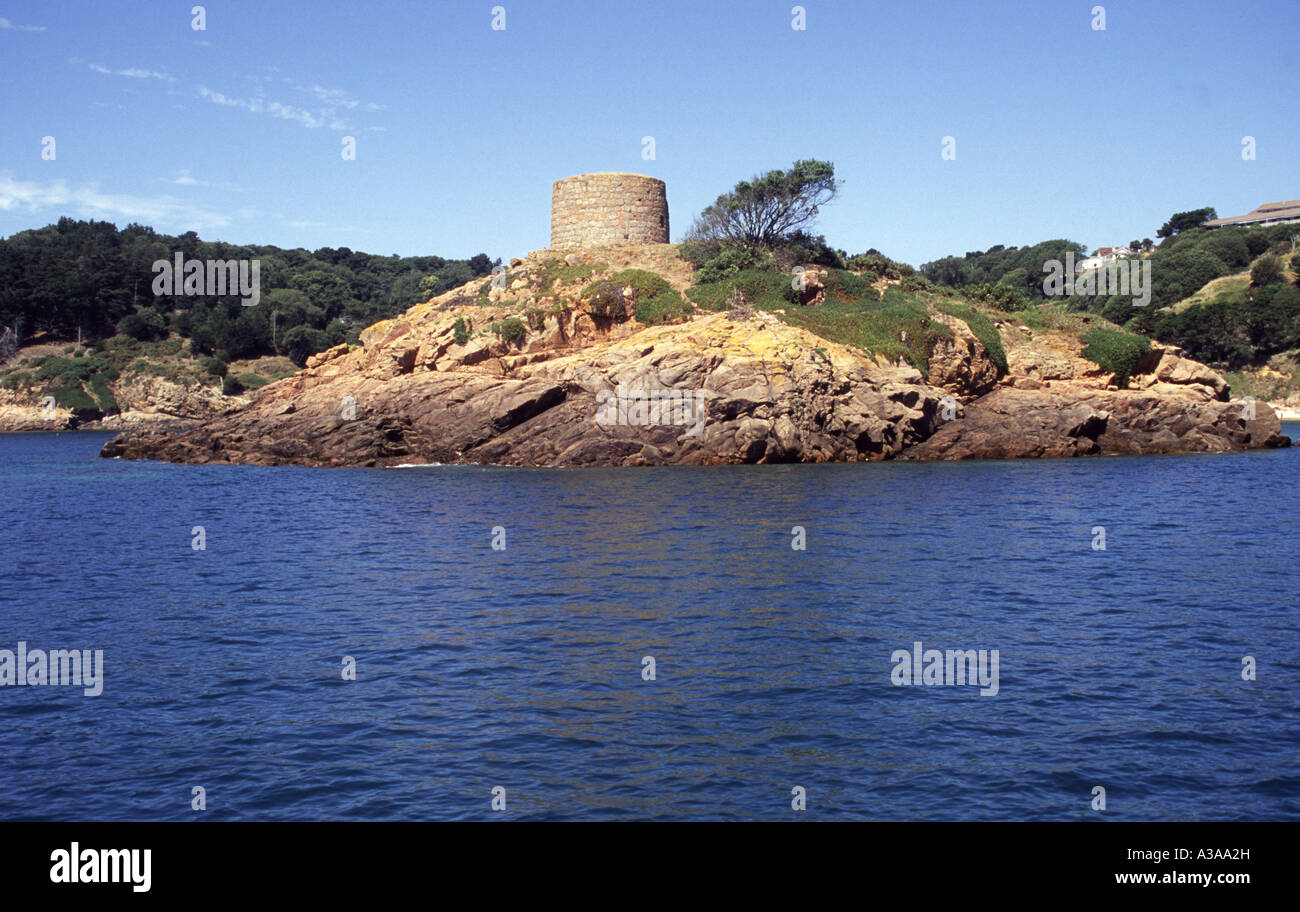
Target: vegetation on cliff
{"x":1227,"y":296}
{"x":87,"y":281}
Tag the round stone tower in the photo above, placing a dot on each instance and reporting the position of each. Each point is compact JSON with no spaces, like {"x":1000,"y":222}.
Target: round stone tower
{"x":608,"y":210}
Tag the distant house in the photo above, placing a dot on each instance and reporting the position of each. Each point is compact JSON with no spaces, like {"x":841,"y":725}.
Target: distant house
{"x":1110,"y":254}
{"x":1103,"y":255}
{"x":1265,"y":214}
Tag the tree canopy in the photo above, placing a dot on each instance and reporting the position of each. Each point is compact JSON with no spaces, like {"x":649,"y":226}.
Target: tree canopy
{"x":771,"y":209}
{"x":1181,"y":221}
{"x":89,"y":279}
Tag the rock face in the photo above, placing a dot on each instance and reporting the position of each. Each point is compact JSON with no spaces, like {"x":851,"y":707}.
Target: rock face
{"x":146,"y":402}
{"x":723,"y":392}
{"x":534,"y":372}
{"x":960,"y":364}
{"x":1016,"y":423}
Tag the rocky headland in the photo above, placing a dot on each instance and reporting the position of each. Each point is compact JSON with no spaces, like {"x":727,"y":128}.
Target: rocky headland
{"x":544,"y":367}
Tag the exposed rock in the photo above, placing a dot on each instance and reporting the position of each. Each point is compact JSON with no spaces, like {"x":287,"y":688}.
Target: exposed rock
{"x":734,"y":390}
{"x":328,"y":355}
{"x":1016,"y":423}
{"x":961,"y":365}
{"x":146,"y":402}
{"x":1165,"y":369}
{"x":812,"y":292}
{"x":766,"y":396}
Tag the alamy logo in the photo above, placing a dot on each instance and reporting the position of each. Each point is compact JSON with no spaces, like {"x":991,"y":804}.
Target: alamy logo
{"x":644,"y":408}
{"x":209,"y":277}
{"x":1127,"y":277}
{"x":95,"y":866}
{"x":940,"y":668}
{"x":61,"y":667}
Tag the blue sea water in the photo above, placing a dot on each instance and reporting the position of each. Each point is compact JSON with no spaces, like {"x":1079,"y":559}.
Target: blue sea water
{"x":522,"y":668}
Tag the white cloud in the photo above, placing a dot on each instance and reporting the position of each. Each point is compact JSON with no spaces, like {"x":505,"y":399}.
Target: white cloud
{"x":133,"y":72}
{"x":183,"y":179}
{"x":335,"y":98}
{"x":309,"y":119}
{"x":6,"y":24}
{"x":88,"y":201}
{"x":306,"y":223}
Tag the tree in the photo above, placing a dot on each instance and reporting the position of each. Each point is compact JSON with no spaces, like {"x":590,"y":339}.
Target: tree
{"x":1134,"y":245}
{"x":1147,"y":243}
{"x":303,"y":341}
{"x":1181,"y":221}
{"x":146,"y":324}
{"x":771,"y":209}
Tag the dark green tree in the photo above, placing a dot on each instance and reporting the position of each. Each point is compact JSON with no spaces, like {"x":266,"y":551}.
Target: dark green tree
{"x":771,"y":209}
{"x":1181,"y":221}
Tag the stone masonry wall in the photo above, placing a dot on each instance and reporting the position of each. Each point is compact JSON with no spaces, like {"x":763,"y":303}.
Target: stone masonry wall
{"x":607,"y":210}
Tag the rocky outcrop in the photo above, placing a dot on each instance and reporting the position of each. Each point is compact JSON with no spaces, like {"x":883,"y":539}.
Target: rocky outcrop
{"x":146,"y":403}
{"x":960,"y":364}
{"x":1016,"y":423}
{"x":764,"y":391}
{"x":534,"y":371}
{"x":1164,"y":370}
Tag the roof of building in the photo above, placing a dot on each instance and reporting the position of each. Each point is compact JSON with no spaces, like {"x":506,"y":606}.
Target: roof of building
{"x":1265,"y":212}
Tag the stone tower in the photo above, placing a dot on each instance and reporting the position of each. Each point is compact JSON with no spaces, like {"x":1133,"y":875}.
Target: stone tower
{"x":608,"y":210}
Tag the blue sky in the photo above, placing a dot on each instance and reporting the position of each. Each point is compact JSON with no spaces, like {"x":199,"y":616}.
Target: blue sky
{"x":236,"y":131}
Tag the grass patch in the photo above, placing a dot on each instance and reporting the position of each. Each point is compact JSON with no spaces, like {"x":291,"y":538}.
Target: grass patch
{"x":897,"y":326}
{"x":765,"y":289}
{"x":252,"y":381}
{"x":556,"y":272}
{"x":668,"y":307}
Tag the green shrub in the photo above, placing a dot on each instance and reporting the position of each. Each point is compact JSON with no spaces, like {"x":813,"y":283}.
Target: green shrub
{"x":216,"y":367}
{"x":104,"y":398}
{"x":231,"y":386}
{"x":459,"y":331}
{"x":1115,"y":352}
{"x":878,"y":265}
{"x":301,"y":342}
{"x":1266,"y":271}
{"x":608,"y":298}
{"x":74,"y":398}
{"x":67,"y":370}
{"x":1006,"y":298}
{"x":511,"y":330}
{"x":605,"y":299}
{"x":730,"y":261}
{"x":698,"y":251}
{"x":664,"y":308}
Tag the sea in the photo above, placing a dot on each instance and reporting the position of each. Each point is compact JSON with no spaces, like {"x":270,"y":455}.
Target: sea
{"x":1080,"y":639}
